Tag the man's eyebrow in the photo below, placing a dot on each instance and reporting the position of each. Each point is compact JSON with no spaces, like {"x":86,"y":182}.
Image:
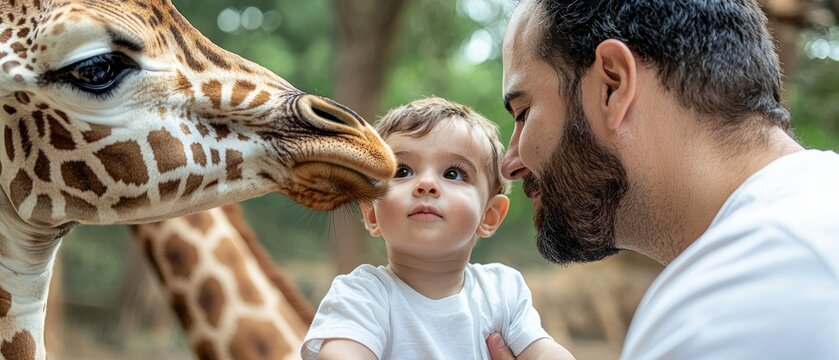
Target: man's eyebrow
{"x":509,"y":97}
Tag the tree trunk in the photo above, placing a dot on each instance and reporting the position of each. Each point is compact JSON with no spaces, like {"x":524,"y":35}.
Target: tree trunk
{"x":834,"y":7}
{"x":365,"y":33}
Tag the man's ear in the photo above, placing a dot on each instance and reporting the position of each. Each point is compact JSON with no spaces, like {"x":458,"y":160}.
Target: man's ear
{"x":614,"y":70}
{"x":494,"y":215}
{"x":371,"y":223}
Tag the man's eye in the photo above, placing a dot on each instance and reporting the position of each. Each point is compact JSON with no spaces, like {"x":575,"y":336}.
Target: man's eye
{"x":403,"y":171}
{"x":522,"y":115}
{"x":454,"y":174}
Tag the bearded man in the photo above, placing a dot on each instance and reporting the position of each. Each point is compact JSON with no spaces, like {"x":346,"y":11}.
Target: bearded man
{"x":657,"y":126}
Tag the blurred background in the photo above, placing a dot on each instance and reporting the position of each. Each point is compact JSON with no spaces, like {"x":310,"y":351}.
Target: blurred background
{"x":372,"y":55}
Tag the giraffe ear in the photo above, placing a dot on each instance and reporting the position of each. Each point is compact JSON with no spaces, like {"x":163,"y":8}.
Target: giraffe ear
{"x":371,"y":223}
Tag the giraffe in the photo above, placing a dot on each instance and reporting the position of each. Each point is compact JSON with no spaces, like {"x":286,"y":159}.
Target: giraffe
{"x":119,"y":112}
{"x":229,"y":297}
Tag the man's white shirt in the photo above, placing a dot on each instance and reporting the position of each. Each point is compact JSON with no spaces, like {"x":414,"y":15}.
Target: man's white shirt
{"x":762,"y":282}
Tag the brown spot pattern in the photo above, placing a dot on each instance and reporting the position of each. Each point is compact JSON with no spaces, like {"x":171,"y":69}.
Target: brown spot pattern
{"x":230,"y":256}
{"x":168,"y":189}
{"x":40,"y":123}
{"x":22,"y":97}
{"x":10,"y":144}
{"x":198,"y":155}
{"x":182,"y":311}
{"x":149,"y":252}
{"x":202,"y":130}
{"x":222,"y":131}
{"x":124,"y":162}
{"x":192,"y":183}
{"x":126,"y":204}
{"x":60,"y":138}
{"x":204,"y":350}
{"x":96,"y":132}
{"x":43,"y":209}
{"x":213,"y":56}
{"x":258,"y":340}
{"x":77,"y":208}
{"x":20,"y":347}
{"x":260,"y":99}
{"x":6,"y":35}
{"x":168,"y":151}
{"x":211,"y":300}
{"x":5,"y":302}
{"x":180,"y":255}
{"x":42,"y":167}
{"x":214,"y":154}
{"x":78,"y":175}
{"x":234,"y":161}
{"x":212,"y":90}
{"x":187,"y":53}
{"x":200,"y":220}
{"x":183,"y":86}
{"x":241,"y":90}
{"x":20,"y":188}
{"x":211,"y":184}
{"x":25,"y":141}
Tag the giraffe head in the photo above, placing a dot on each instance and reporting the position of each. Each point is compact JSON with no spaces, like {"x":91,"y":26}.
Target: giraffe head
{"x":121,"y":111}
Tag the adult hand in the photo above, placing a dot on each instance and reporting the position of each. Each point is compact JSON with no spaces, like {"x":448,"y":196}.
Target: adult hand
{"x":498,"y":349}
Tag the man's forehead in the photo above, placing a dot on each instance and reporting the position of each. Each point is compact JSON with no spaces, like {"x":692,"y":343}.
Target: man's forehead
{"x":520,"y":39}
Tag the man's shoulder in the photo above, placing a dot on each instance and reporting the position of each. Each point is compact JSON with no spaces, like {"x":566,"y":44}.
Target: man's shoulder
{"x":790,"y":205}
{"x":765,"y":272}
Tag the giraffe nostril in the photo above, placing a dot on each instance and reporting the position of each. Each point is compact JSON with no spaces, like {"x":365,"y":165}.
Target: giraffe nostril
{"x":328,"y":113}
{"x":328,"y":116}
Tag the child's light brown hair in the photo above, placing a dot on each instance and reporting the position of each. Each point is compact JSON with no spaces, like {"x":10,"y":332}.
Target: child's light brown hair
{"x":419,"y":117}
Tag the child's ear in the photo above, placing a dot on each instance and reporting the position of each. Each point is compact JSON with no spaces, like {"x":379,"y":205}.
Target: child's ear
{"x":371,"y":223}
{"x":493,"y":215}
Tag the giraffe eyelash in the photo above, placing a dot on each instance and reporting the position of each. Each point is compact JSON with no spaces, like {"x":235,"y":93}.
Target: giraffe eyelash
{"x":97,"y":76}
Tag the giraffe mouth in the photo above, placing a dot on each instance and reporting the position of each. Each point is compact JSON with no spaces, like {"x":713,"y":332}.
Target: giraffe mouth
{"x":326,"y":186}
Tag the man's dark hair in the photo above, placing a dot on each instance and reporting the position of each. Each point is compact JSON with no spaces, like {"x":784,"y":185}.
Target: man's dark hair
{"x":716,"y":56}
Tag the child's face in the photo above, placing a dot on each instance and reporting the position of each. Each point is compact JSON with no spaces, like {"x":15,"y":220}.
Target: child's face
{"x":439,"y":200}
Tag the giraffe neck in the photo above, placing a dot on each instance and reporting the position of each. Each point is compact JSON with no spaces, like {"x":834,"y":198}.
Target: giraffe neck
{"x":227,"y":304}
{"x":23,"y":302}
{"x":27,"y":253}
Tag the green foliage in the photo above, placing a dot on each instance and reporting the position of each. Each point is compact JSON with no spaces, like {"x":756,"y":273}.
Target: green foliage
{"x":93,"y":252}
{"x":813,"y":98}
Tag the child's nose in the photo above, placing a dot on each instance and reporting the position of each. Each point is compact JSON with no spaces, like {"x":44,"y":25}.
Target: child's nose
{"x":426,"y":187}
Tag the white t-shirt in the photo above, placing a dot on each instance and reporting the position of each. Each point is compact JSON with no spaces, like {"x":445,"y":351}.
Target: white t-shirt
{"x":762,"y":282}
{"x":372,"y":306}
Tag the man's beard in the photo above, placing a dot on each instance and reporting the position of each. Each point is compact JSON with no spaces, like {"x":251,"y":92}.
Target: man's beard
{"x":581,"y":188}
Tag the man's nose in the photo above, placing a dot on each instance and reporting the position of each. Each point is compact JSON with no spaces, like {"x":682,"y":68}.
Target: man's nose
{"x":512,"y":168}
{"x":426,"y":186}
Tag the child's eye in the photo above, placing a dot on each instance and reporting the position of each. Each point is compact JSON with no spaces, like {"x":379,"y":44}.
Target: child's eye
{"x":403,"y":171}
{"x":455,"y":174}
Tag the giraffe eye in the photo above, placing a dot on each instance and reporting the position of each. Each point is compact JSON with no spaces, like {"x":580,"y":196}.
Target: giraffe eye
{"x":98,"y":74}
